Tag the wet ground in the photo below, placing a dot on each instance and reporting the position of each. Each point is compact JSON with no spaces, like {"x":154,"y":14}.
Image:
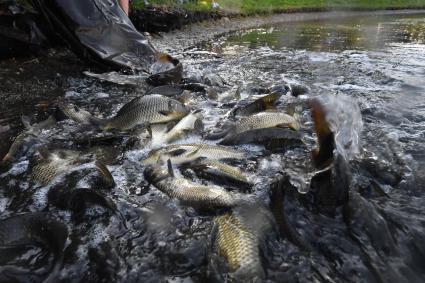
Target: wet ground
{"x":376,"y":60}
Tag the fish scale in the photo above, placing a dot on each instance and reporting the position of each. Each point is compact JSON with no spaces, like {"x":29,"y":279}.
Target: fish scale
{"x":197,"y":195}
{"x":183,"y":153}
{"x":147,"y":109}
{"x":151,"y":109}
{"x":239,"y":246}
{"x":217,"y":168}
{"x":265,"y":120}
{"x":46,"y":170}
{"x":188,"y":192}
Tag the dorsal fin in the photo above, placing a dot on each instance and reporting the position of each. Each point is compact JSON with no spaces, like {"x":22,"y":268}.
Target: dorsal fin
{"x":105,"y":173}
{"x":170,"y":168}
{"x":26,"y":121}
{"x":43,"y":152}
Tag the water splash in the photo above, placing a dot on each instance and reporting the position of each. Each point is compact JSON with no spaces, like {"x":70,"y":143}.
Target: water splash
{"x":342,"y":113}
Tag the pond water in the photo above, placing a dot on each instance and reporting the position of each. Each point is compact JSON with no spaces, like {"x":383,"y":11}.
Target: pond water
{"x":375,"y":61}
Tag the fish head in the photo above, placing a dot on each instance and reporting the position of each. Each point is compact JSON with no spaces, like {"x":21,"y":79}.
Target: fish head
{"x":154,"y":174}
{"x":176,"y":109}
{"x":153,"y":157}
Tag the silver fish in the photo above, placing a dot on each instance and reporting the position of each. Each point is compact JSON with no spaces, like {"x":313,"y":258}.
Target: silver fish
{"x":183,"y":153}
{"x":191,"y":122}
{"x":78,"y":115}
{"x":149,"y":109}
{"x":217,"y":170}
{"x":28,"y":135}
{"x":262,"y":120}
{"x":187,"y":192}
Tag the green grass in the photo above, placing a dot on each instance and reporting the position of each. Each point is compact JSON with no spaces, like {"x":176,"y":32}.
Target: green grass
{"x":194,"y":6}
{"x":265,"y":6}
{"x":250,"y":6}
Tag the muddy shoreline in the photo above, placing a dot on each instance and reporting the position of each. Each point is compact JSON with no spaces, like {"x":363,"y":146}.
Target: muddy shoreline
{"x":177,"y":41}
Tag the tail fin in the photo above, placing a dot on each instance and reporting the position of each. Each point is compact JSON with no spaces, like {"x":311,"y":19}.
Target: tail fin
{"x":26,"y":121}
{"x":82,"y":116}
{"x":217,"y":135}
{"x":105,"y":173}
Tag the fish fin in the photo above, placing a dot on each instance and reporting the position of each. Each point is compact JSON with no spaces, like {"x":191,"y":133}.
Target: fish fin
{"x":97,"y":122}
{"x":270,"y":108}
{"x":164,"y":112}
{"x":105,"y":173}
{"x":213,"y":238}
{"x":377,"y":187}
{"x":170,"y":125}
{"x":290,"y":110}
{"x":294,"y":126}
{"x":217,"y":135}
{"x":177,"y":152}
{"x":184,"y":97}
{"x":149,"y":129}
{"x":170,"y":168}
{"x":7,"y":157}
{"x":43,"y":152}
{"x":193,"y":152}
{"x":269,"y":100}
{"x":199,"y":125}
{"x":238,"y":93}
{"x":26,"y":121}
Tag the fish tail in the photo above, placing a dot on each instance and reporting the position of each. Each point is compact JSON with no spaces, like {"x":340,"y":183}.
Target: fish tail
{"x":98,"y":122}
{"x":7,"y":157}
{"x":105,"y":173}
{"x":216,"y":135}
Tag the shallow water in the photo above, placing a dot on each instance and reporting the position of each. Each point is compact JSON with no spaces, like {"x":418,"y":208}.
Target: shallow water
{"x":378,"y":61}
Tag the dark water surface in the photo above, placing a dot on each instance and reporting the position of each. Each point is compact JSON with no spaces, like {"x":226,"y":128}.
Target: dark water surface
{"x":377,"y":61}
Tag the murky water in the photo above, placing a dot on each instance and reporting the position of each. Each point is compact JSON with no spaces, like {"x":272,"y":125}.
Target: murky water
{"x":378,"y":61}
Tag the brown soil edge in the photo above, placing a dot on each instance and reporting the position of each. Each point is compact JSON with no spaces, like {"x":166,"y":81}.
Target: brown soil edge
{"x":192,"y":35}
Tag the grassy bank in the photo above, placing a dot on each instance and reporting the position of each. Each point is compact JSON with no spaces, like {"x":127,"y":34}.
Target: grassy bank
{"x":269,"y":6}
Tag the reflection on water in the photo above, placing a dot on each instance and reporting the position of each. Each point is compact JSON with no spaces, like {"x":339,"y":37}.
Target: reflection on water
{"x":338,"y":34}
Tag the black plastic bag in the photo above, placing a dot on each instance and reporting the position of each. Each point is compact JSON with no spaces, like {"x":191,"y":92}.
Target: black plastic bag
{"x":99,"y":32}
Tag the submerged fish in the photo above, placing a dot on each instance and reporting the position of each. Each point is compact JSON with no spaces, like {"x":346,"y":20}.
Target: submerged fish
{"x":191,"y":122}
{"x":149,"y":109}
{"x":28,"y":135}
{"x":219,"y":171}
{"x":239,"y":245}
{"x":166,"y":90}
{"x":187,"y":192}
{"x":183,"y":153}
{"x":51,"y":164}
{"x":117,"y":78}
{"x":31,"y":229}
